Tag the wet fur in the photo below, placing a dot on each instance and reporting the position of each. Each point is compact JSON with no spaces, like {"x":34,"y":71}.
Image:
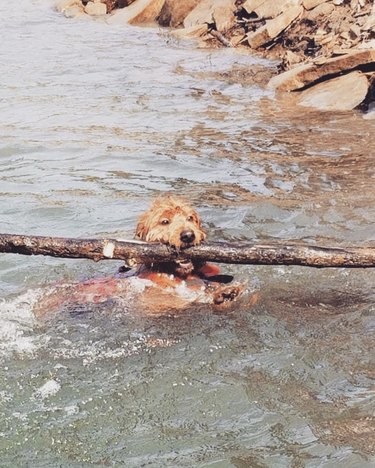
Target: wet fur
{"x":171,"y":221}
{"x":166,"y":219}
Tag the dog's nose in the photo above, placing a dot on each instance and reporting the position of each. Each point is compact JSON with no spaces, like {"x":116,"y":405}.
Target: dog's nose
{"x":187,"y":237}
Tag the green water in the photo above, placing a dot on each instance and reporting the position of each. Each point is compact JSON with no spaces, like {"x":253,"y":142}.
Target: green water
{"x":96,"y":121}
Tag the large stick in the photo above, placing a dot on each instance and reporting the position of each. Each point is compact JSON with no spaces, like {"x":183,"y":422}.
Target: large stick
{"x":139,"y":252}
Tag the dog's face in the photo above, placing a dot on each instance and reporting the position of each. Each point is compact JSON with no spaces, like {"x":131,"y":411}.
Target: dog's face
{"x":171,"y":221}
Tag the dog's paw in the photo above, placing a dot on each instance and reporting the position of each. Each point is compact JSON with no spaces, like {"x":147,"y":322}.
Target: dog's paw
{"x":227,"y":294}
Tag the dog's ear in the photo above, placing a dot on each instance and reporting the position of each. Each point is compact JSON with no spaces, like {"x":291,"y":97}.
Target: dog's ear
{"x":197,"y":219}
{"x":141,"y":229}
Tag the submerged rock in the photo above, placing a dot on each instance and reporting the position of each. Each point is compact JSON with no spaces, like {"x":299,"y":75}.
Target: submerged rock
{"x":339,"y":94}
{"x":138,"y":12}
{"x":190,"y":33}
{"x":96,"y":8}
{"x":218,"y":12}
{"x":70,"y":8}
{"x":309,"y":73}
{"x":174,"y":12}
{"x":74,"y":11}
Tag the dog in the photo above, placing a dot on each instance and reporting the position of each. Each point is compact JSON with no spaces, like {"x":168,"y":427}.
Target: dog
{"x":156,"y":287}
{"x":171,"y":221}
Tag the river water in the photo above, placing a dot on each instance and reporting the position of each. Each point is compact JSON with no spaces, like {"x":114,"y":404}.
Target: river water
{"x":95,"y":121}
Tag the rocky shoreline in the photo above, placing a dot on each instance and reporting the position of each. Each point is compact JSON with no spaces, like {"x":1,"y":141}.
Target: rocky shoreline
{"x":325,"y":48}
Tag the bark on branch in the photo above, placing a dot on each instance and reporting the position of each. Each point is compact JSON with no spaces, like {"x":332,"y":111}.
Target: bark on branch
{"x":240,"y":253}
{"x":221,"y":38}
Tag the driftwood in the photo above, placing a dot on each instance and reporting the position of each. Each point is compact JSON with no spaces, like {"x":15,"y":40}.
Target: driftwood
{"x":221,"y":38}
{"x":133,"y":252}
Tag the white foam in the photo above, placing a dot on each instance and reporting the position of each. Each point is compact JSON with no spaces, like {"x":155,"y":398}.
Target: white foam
{"x":71,"y":409}
{"x":192,"y":295}
{"x":50,"y":388}
{"x":16,"y":322}
{"x":90,"y":353}
{"x":138,"y":285}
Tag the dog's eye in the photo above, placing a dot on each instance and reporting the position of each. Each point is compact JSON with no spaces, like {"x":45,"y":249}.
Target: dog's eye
{"x":190,"y":218}
{"x":164,"y":221}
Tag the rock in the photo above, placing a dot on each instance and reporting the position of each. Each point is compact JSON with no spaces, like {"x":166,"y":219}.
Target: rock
{"x":190,"y":33}
{"x":339,"y":94}
{"x":237,"y":39}
{"x":370,"y":23}
{"x":220,"y":12}
{"x":96,"y":8}
{"x":111,"y":4}
{"x":310,"y":4}
{"x":174,"y":12}
{"x":271,"y":9}
{"x":124,"y":3}
{"x":139,"y":12}
{"x":74,"y":11}
{"x":367,"y":45}
{"x":345,"y":35}
{"x":344,"y":26}
{"x":323,"y":38}
{"x":305,"y":74}
{"x":224,"y":15}
{"x":291,"y":59}
{"x":63,"y":5}
{"x":251,"y":5}
{"x":325,"y":9}
{"x":355,"y":30}
{"x":273,"y":27}
{"x":70,"y":8}
{"x":370,"y":114}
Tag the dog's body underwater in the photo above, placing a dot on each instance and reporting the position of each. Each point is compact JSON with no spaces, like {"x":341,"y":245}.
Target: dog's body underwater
{"x":154,"y":288}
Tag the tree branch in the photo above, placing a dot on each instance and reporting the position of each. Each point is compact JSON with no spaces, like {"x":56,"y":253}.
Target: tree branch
{"x":240,"y":253}
{"x":221,"y":38}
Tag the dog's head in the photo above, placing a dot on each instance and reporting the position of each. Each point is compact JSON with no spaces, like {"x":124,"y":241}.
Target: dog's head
{"x":171,"y":221}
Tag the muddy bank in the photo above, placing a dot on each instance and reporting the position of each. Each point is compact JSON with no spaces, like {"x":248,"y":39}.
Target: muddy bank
{"x":325,"y":48}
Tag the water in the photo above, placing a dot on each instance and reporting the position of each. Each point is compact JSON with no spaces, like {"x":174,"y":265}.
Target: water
{"x":95,"y":121}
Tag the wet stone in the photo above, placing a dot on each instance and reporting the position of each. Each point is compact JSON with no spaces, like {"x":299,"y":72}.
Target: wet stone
{"x":310,"y":4}
{"x":73,"y":11}
{"x":63,"y":5}
{"x":339,"y":94}
{"x":271,"y":9}
{"x":273,"y":27}
{"x":220,"y":12}
{"x":96,"y":8}
{"x":305,"y":74}
{"x":251,"y":5}
{"x":324,"y":9}
{"x":139,"y":12}
{"x":174,"y":12}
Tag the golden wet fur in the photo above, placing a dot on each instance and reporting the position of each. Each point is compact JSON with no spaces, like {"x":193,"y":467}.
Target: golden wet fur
{"x":171,"y":221}
{"x":167,"y":220}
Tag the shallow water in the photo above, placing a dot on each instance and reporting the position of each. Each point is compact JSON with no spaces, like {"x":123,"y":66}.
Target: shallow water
{"x":97,"y":120}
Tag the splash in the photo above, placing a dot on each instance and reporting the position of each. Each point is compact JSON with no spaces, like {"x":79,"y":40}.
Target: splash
{"x":16,"y":325}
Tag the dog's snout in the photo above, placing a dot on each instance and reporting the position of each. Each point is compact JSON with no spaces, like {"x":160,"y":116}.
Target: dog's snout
{"x":187,"y":237}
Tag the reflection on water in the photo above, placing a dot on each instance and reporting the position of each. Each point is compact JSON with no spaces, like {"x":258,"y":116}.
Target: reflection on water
{"x":96,"y":120}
